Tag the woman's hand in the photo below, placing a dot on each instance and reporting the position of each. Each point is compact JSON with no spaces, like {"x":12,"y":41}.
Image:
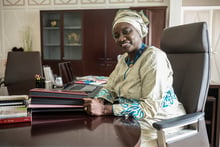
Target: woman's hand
{"x":94,"y":106}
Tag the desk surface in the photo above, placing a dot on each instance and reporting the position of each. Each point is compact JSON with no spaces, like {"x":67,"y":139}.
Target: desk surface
{"x":71,"y":130}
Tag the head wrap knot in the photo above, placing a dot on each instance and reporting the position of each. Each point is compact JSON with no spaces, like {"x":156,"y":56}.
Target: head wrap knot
{"x":137,"y":19}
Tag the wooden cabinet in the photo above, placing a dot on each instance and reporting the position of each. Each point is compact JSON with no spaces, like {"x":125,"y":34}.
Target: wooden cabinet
{"x":61,"y":38}
{"x":92,"y":50}
{"x":100,"y":48}
{"x":212,"y":115}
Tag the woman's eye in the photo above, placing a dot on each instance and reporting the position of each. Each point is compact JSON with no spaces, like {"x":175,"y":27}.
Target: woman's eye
{"x":116,"y":35}
{"x":126,"y":31}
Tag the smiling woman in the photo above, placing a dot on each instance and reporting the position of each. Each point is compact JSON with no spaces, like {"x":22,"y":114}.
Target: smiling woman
{"x":141,"y":84}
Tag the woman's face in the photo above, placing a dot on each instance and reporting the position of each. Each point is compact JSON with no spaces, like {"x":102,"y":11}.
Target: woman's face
{"x":127,"y":37}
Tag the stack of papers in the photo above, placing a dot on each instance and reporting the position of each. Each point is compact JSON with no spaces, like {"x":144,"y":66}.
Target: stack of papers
{"x":92,"y":80}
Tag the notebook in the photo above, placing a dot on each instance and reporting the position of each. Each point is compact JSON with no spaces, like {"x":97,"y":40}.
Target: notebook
{"x":66,"y":72}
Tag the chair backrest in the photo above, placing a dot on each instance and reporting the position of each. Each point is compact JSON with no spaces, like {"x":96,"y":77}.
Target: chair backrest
{"x":21,"y":67}
{"x":66,"y":72}
{"x":187,"y":47}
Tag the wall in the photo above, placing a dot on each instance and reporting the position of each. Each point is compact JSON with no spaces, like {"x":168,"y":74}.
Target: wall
{"x":17,"y":15}
{"x":211,"y":15}
{"x":2,"y":53}
{"x":201,"y":3}
{"x":175,"y":12}
{"x":208,"y":11}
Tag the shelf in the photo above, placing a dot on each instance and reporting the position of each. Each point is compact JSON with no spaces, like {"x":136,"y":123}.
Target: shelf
{"x":73,"y":44}
{"x":67,"y":28}
{"x":52,"y":45}
{"x":51,"y":28}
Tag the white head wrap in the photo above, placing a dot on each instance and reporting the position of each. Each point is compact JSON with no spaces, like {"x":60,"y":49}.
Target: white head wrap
{"x":137,"y":19}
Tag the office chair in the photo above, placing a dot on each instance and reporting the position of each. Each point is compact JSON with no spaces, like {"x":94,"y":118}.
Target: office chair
{"x":187,"y":47}
{"x":66,"y":72}
{"x":21,"y":67}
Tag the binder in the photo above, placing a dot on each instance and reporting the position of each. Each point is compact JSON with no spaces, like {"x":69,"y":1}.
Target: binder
{"x":56,"y":93}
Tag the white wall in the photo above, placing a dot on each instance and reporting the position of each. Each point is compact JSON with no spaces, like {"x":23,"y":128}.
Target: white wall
{"x":211,"y":15}
{"x":17,"y":15}
{"x":175,"y":12}
{"x":201,"y":3}
{"x":2,"y":51}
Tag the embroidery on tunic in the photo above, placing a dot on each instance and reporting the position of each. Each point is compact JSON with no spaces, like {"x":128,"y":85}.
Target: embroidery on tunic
{"x":169,"y":99}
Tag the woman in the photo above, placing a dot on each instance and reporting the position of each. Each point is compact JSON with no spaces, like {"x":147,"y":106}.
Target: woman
{"x":141,"y":83}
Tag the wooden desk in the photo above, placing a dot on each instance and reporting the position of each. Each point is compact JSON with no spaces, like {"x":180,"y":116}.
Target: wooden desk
{"x":69,"y":129}
{"x":214,"y":90}
{"x":72,"y":130}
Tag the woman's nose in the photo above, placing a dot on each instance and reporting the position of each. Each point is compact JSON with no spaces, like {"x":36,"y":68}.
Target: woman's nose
{"x":122,"y":38}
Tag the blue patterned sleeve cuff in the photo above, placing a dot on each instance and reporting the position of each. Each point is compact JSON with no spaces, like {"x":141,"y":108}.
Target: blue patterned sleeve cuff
{"x":128,"y":108}
{"x":105,"y":94}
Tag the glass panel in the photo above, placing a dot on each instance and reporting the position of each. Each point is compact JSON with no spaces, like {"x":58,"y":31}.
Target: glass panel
{"x":73,"y":52}
{"x":51,"y":36}
{"x":72,"y":36}
{"x":51,"y":52}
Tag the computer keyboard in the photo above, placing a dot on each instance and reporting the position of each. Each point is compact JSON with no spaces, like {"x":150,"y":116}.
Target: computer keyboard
{"x":86,"y":88}
{"x":76,"y":87}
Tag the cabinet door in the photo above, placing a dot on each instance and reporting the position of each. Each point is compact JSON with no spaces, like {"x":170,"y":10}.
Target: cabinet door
{"x":61,"y":39}
{"x":72,"y":36}
{"x":100,"y":50}
{"x":112,"y":50}
{"x":157,"y":17}
{"x":94,"y":41}
{"x":72,"y":40}
{"x":50,"y":36}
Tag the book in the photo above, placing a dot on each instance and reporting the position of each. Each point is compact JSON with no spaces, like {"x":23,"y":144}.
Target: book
{"x":14,"y":97}
{"x":58,"y":101}
{"x":13,"y":100}
{"x":53,"y":106}
{"x":16,"y":120}
{"x":14,"y":115}
{"x":38,"y":108}
{"x":15,"y":125}
{"x":11,"y":103}
{"x":56,"y":110}
{"x":13,"y":112}
{"x":56,"y":93}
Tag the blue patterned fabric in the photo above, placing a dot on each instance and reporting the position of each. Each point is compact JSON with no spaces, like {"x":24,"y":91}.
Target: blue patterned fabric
{"x":104,"y":93}
{"x":131,"y":107}
{"x":169,"y":98}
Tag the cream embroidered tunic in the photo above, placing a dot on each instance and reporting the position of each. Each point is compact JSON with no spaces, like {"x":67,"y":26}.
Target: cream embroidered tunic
{"x":144,"y":90}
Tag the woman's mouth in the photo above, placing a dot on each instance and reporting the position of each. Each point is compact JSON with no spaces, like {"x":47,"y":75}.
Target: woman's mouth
{"x":125,"y":45}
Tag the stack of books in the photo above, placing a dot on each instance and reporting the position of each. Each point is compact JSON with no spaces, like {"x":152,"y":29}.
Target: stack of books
{"x":56,"y":100}
{"x":13,"y":109}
